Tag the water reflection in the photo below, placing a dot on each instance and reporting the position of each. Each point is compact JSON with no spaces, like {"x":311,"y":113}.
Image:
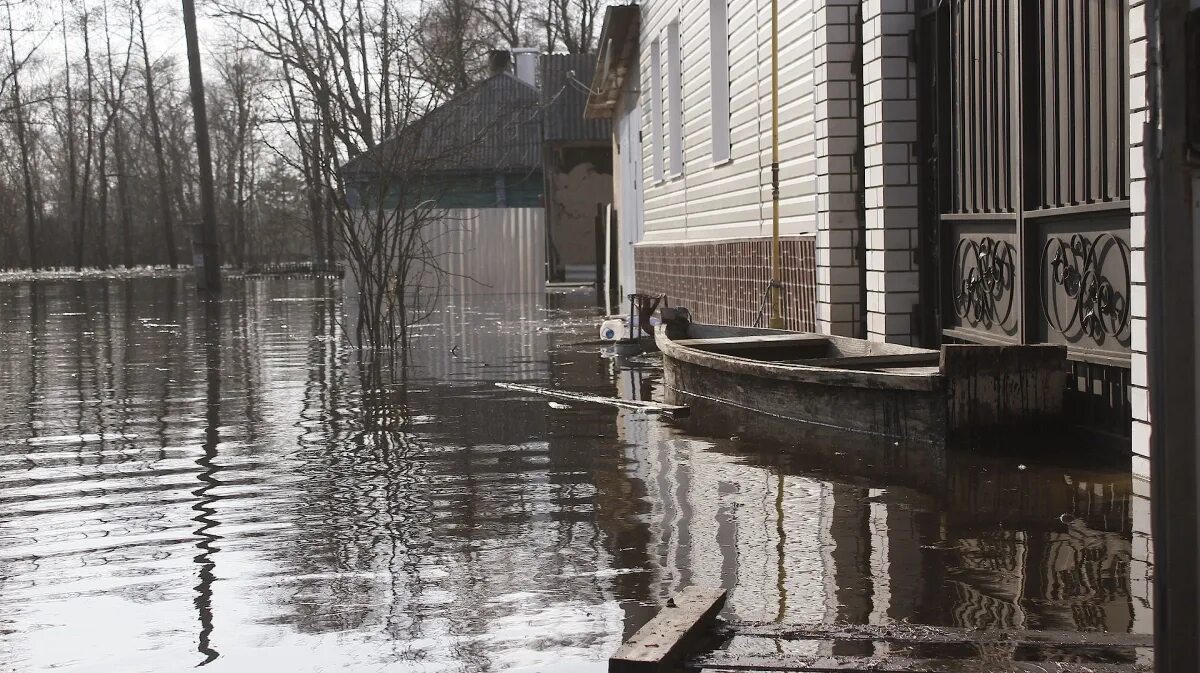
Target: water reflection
{"x":222,"y":484}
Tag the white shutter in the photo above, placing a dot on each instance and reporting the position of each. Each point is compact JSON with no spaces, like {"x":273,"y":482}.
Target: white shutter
{"x":656,"y":110}
{"x":675,"y":97}
{"x":718,"y":18}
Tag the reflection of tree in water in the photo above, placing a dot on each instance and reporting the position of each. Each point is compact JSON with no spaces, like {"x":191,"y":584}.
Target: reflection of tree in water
{"x":205,"y":506}
{"x":444,"y":497}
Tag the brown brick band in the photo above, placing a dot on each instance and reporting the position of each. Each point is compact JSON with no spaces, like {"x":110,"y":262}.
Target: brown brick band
{"x":723,"y":282}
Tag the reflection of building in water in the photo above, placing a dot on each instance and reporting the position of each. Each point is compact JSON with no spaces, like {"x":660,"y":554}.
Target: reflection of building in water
{"x":1042,"y":547}
{"x":482,"y":336}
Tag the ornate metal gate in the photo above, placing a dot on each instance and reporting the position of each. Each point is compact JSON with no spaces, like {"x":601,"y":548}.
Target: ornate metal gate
{"x":1025,"y":129}
{"x":1024,"y":155}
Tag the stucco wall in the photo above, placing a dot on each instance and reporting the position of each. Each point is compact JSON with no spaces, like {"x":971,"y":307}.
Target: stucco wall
{"x":580,"y":180}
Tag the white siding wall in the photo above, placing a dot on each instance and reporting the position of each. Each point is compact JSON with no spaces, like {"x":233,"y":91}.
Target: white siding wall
{"x":732,"y":200}
{"x":721,"y":200}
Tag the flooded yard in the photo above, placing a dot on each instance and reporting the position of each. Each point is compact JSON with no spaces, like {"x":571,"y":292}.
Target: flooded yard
{"x":183,"y":485}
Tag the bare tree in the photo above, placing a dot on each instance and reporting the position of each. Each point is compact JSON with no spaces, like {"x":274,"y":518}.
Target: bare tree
{"x":570,"y":24}
{"x":18,"y":110}
{"x":156,"y":137}
{"x":113,"y":92}
{"x":89,"y":142}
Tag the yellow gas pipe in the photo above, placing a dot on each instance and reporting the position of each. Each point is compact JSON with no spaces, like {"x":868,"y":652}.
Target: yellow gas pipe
{"x":776,"y":289}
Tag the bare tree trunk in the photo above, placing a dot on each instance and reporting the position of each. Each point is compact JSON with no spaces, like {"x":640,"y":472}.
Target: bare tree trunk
{"x":242,"y":104}
{"x":90,"y":122}
{"x":123,"y":193}
{"x":102,"y":198}
{"x":72,"y":138}
{"x":156,"y":139}
{"x":208,"y":214}
{"x":23,"y":148}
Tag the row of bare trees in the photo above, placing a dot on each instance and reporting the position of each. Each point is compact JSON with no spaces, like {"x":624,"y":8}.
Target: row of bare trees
{"x":96,"y":150}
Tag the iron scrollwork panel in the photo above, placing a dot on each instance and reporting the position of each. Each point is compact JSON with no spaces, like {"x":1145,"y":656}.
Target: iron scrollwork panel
{"x":1085,"y":290}
{"x":983,"y":284}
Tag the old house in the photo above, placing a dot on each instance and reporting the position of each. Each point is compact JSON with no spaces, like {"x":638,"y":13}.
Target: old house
{"x":948,"y":171}
{"x":484,"y":163}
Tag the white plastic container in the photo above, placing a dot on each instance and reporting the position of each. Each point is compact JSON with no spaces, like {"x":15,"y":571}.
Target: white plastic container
{"x":613,"y":329}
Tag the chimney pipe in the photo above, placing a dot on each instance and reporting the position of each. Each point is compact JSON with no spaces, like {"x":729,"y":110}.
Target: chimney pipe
{"x":498,"y":61}
{"x":527,"y":64}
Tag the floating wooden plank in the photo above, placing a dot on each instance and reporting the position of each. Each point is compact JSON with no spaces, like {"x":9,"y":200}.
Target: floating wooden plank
{"x":663,"y":641}
{"x":728,"y":663}
{"x":916,"y":634}
{"x":635,"y":405}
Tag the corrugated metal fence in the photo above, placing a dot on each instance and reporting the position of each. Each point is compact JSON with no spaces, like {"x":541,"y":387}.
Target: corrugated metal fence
{"x":493,"y":250}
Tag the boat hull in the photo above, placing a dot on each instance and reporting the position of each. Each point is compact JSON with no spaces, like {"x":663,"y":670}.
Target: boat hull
{"x":906,"y":416}
{"x":964,"y":394}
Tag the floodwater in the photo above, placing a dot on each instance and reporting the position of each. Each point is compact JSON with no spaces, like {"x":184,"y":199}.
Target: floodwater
{"x":184,"y":486}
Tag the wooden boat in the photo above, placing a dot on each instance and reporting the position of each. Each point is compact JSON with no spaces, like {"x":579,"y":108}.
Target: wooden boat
{"x":891,"y":391}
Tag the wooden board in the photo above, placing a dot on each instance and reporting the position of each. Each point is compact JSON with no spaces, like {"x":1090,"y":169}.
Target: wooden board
{"x":721,"y":661}
{"x":1003,"y":387}
{"x":663,"y":642}
{"x":637,"y":405}
{"x":924,"y":635}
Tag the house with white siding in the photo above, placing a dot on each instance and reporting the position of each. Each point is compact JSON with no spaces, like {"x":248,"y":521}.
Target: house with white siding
{"x":949,"y":171}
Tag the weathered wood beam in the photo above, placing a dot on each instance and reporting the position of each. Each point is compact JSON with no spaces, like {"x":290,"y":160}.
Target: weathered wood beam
{"x":725,"y":662}
{"x":635,"y":405}
{"x":905,"y":633}
{"x":664,"y":641}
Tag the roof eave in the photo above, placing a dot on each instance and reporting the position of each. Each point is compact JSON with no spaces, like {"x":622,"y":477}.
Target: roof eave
{"x":618,"y":48}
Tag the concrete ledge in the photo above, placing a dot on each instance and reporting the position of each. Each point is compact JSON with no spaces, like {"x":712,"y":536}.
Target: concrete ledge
{"x":1009,"y":387}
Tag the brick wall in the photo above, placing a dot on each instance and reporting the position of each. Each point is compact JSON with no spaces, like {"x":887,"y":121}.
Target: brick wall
{"x":1141,"y":570}
{"x":890,"y":134}
{"x":839,"y":230}
{"x":723,"y":282}
{"x":1138,"y":116}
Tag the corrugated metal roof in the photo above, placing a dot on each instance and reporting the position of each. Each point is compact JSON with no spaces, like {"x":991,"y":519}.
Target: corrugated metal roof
{"x":564,"y":96}
{"x":495,"y":126}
